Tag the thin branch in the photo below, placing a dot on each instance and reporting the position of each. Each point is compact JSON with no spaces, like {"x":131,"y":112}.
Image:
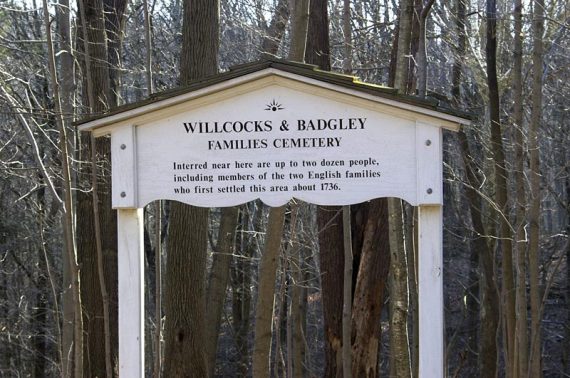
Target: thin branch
{"x":36,"y":150}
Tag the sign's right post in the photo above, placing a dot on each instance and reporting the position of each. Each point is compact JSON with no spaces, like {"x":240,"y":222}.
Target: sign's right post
{"x":429,"y":180}
{"x":430,"y":291}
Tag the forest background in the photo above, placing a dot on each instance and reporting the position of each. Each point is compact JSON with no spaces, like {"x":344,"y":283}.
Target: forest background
{"x":255,"y":291}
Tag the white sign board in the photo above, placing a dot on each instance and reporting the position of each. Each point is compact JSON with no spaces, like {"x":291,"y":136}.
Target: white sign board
{"x":276,"y":135}
{"x":276,"y":143}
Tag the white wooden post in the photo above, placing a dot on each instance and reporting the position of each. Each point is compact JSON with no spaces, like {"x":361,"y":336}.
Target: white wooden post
{"x":430,"y":292}
{"x":131,"y":293}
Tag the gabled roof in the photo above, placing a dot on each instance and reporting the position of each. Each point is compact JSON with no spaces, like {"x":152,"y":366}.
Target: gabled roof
{"x":255,"y":70}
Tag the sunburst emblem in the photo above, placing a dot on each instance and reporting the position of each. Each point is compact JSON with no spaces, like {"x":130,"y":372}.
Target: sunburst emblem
{"x":274,"y":106}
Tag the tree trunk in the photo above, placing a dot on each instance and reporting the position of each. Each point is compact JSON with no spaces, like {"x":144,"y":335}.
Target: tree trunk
{"x":114,"y":12}
{"x":68,"y":211}
{"x":281,"y":317}
{"x":274,"y":33}
{"x":299,"y":27}
{"x":347,"y":294}
{"x":67,"y":95}
{"x":95,"y":207}
{"x":479,"y":246}
{"x":400,"y":363}
{"x":520,"y":368}
{"x":318,"y":49}
{"x":185,"y":292}
{"x":268,"y":267}
{"x":157,"y":336}
{"x":156,"y":344}
{"x":412,"y":239}
{"x":38,"y":319}
{"x":218,"y":282}
{"x":331,"y":259}
{"x":298,"y":292}
{"x":535,"y":365}
{"x":187,"y":243}
{"x":148,"y":50}
{"x":346,"y":229}
{"x":404,"y":38}
{"x":300,"y":334}
{"x":566,"y":353}
{"x":421,"y":56}
{"x":267,"y":276}
{"x":347,"y":32}
{"x":98,"y":92}
{"x":200,"y":40}
{"x":489,"y":300}
{"x":242,"y":277}
{"x":370,"y":238}
{"x":329,"y":218}
{"x":500,"y":181}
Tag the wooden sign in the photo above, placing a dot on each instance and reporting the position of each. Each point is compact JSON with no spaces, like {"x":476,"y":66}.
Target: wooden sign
{"x":277,"y":143}
{"x":275,"y":131}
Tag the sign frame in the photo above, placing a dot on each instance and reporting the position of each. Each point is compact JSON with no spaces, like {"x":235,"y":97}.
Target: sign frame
{"x":428,"y":119}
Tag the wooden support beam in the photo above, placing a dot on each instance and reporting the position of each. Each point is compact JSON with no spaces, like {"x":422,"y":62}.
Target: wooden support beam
{"x":131,"y":292}
{"x":430,"y":292}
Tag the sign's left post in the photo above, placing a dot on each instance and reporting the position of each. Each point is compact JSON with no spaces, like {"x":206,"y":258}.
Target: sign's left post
{"x":130,"y":251}
{"x":131,"y":292}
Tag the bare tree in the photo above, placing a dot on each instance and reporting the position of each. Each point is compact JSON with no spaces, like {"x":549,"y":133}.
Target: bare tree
{"x":187,"y":241}
{"x":519,"y":368}
{"x":535,"y":362}
{"x":67,"y":217}
{"x":500,"y":181}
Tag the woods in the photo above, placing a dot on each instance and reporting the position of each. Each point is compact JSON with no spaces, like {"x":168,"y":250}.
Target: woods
{"x":258,"y":291}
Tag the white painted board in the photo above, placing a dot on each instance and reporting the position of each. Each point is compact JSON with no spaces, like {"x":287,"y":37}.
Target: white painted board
{"x":430,"y":292}
{"x":131,"y":292}
{"x":276,"y":143}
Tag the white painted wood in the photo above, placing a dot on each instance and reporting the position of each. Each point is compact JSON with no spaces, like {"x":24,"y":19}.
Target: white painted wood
{"x":382,"y":144}
{"x":430,"y":292}
{"x":123,"y":167}
{"x":429,"y":164}
{"x":131,"y":292}
{"x":449,"y":121}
